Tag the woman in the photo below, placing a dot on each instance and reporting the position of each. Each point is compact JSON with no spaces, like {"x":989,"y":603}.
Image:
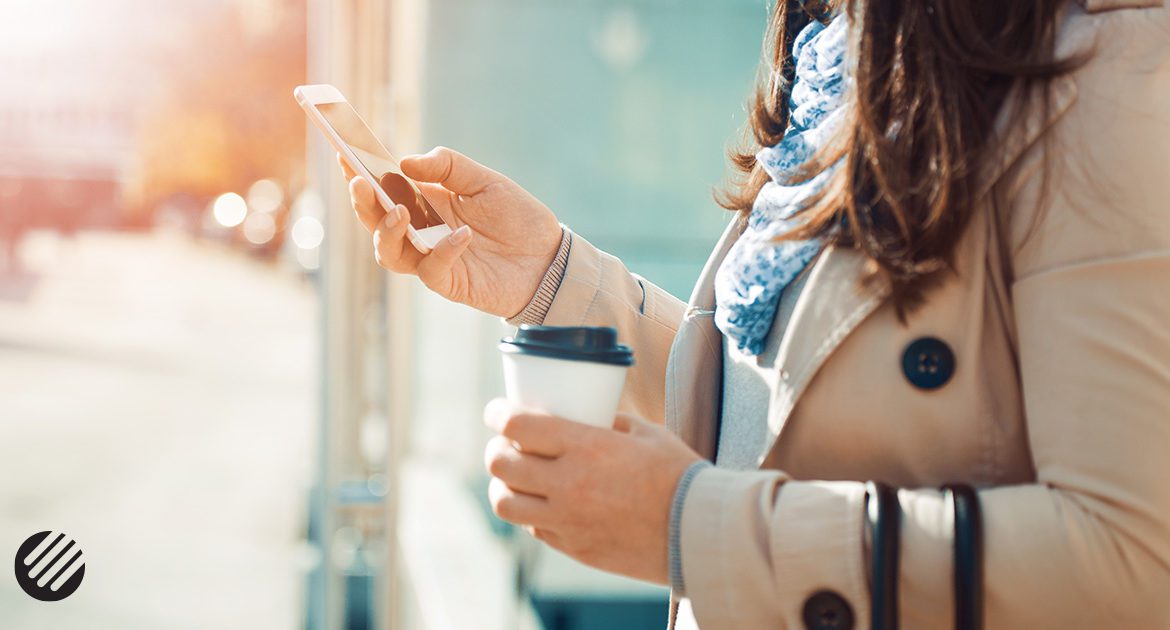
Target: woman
{"x":949,"y":263}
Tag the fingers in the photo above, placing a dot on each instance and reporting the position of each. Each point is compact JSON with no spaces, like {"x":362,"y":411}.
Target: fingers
{"x":365,"y":203}
{"x":390,"y":247}
{"x":517,"y":507}
{"x":349,"y":172}
{"x":389,"y":232}
{"x":434,"y":269}
{"x":527,"y":473}
{"x":534,"y":433}
{"x":439,"y":197}
{"x":455,"y":171}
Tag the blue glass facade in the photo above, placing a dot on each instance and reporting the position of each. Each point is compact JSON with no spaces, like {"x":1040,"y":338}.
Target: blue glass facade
{"x":617,"y":115}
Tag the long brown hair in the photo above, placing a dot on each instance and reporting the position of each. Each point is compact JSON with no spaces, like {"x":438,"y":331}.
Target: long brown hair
{"x":928,"y":78}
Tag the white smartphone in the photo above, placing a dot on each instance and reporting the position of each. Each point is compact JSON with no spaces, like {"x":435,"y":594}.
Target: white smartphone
{"x":361,"y":150}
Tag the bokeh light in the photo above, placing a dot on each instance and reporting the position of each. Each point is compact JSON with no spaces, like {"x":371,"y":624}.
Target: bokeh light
{"x":308,"y":233}
{"x":229,"y":209}
{"x":265,"y":196}
{"x":259,"y":228}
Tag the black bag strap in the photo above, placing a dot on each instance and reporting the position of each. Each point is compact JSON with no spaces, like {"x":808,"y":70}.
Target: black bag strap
{"x":968,"y":557}
{"x":883,"y":520}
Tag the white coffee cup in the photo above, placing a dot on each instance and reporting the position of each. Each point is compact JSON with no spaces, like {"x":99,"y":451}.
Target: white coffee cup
{"x":575,"y":373}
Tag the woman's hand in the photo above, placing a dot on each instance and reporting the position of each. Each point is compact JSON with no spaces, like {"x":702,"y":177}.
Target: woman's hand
{"x":601,"y":496}
{"x":503,"y":242}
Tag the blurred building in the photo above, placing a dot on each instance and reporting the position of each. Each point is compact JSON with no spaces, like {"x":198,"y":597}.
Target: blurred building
{"x":66,"y":124}
{"x":77,"y":76}
{"x":112,"y":111}
{"x":65,"y":154}
{"x":618,"y":115}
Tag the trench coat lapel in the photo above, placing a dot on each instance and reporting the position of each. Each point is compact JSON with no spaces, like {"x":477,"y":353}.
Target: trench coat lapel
{"x":835,"y":300}
{"x":694,"y":372}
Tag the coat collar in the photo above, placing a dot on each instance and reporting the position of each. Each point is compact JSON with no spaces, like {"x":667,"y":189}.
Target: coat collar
{"x":835,"y":300}
{"x":694,"y":374}
{"x":833,"y":303}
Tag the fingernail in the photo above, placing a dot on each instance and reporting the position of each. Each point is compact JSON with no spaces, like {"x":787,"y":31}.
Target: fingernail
{"x":400,"y":213}
{"x":461,"y":235}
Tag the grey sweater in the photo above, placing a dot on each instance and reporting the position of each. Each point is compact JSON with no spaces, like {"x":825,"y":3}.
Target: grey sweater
{"x":743,"y":422}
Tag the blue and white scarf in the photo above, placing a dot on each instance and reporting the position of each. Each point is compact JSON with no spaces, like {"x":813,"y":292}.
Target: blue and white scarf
{"x":756,"y":270}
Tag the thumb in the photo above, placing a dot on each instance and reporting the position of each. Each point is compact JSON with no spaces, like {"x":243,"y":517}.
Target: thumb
{"x":434,"y":269}
{"x":455,"y":171}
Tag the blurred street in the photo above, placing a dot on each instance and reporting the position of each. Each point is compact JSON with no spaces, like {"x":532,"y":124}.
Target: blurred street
{"x":157,"y":403}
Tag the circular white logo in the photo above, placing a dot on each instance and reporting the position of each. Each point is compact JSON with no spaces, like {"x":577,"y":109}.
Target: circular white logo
{"x":49,"y":566}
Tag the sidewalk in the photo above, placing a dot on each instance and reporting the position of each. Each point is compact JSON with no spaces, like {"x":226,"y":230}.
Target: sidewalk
{"x":157,"y":403}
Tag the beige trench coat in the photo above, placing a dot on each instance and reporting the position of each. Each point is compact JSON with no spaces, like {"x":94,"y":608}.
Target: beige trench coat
{"x":1058,"y":407}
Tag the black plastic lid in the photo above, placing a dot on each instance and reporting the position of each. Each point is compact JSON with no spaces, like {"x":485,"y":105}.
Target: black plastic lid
{"x":573,"y":343}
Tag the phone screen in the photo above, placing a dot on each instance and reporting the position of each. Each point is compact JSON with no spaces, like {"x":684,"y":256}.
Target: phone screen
{"x":378,"y":162}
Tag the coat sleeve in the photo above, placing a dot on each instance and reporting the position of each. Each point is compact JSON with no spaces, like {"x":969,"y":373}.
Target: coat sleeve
{"x":598,"y":290}
{"x":1087,"y":544}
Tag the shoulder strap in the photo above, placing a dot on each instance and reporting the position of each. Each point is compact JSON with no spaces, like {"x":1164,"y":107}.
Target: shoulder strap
{"x":883,"y":522}
{"x":968,"y":557}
